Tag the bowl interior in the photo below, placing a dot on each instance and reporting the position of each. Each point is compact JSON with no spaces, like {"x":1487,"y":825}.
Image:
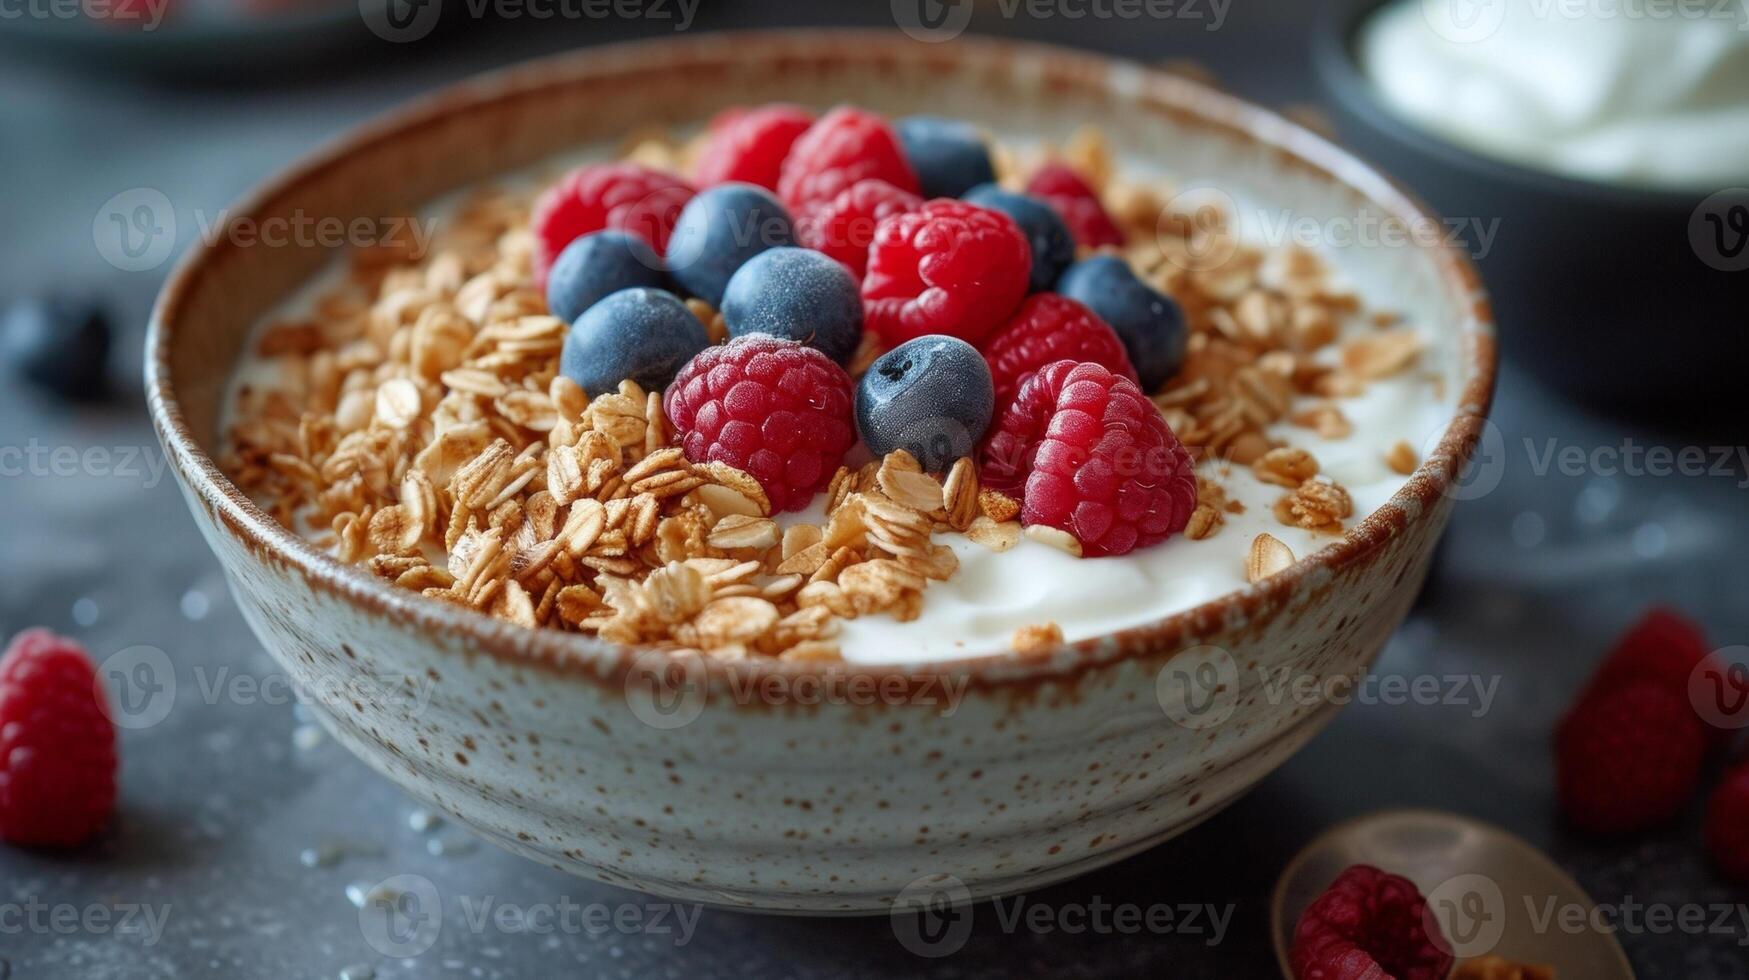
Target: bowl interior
{"x":1282,"y":180}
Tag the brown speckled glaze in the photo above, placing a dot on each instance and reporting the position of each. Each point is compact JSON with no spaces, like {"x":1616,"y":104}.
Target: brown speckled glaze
{"x":1038,"y":768}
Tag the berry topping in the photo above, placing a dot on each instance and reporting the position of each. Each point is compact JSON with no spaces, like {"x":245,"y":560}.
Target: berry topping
{"x":797,"y":294}
{"x":930,"y":396}
{"x":1671,"y":652}
{"x":1092,"y":457}
{"x":776,"y":409}
{"x":949,"y":156}
{"x":1052,"y":247}
{"x":846,"y":145}
{"x":1727,"y":825}
{"x":1628,"y":759}
{"x":1047,"y":328}
{"x":598,"y":265}
{"x":57,"y":745}
{"x":844,"y":227}
{"x":748,"y":145}
{"x":720,"y":229}
{"x":1369,"y":925}
{"x":1150,"y":324}
{"x":1067,"y":194}
{"x":641,"y":334}
{"x":621,"y":196}
{"x":948,"y":267}
{"x":60,"y":344}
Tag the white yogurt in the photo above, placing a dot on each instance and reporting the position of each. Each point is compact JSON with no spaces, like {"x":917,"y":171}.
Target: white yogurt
{"x":1647,"y":92}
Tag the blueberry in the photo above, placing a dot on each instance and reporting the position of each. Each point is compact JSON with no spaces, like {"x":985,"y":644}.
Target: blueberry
{"x":60,"y":344}
{"x":1150,"y":324}
{"x":931,"y":396}
{"x":1053,"y":248}
{"x":596,"y":266}
{"x":949,"y":156}
{"x":718,"y":231}
{"x":798,"y":294}
{"x":642,"y":334}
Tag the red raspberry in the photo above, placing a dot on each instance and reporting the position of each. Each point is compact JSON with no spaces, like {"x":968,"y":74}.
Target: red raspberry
{"x":749,"y":145}
{"x":1628,"y":759}
{"x":57,"y":745}
{"x":844,"y":227}
{"x":1369,"y":925}
{"x":774,"y":408}
{"x":623,"y":196}
{"x":1667,"y":650}
{"x":1049,"y":327}
{"x":846,"y":145}
{"x":1727,"y":825}
{"x":1077,"y":204}
{"x":1095,"y":457}
{"x":948,"y":267}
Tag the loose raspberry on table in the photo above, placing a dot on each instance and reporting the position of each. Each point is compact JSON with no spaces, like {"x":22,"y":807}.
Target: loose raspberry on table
{"x":749,"y":145}
{"x":1078,"y":204}
{"x":625,"y":197}
{"x":948,"y":267}
{"x":844,"y":227}
{"x":1627,"y":759}
{"x":1369,"y":925}
{"x":773,"y":408}
{"x":57,"y":745}
{"x":1727,"y":825}
{"x":1091,"y":456}
{"x":844,"y":146}
{"x":1667,"y":649}
{"x":1049,"y":327}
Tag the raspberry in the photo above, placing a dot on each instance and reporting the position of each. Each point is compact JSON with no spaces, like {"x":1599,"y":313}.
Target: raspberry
{"x":1369,"y":925}
{"x":948,"y":267}
{"x":1628,"y":759}
{"x":1727,"y":825}
{"x":749,"y":145}
{"x":1667,"y":650}
{"x":1064,"y":190}
{"x":57,"y":746}
{"x":622,"y":196}
{"x":772,"y":408}
{"x":846,"y":145}
{"x":844,"y":226}
{"x":1047,"y":328}
{"x":1095,"y":459}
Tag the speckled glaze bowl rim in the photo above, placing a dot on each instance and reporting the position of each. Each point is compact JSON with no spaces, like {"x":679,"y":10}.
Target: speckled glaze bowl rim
{"x":589,"y":659}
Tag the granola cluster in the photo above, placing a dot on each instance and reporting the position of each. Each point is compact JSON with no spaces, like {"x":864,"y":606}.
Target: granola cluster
{"x":419,"y":426}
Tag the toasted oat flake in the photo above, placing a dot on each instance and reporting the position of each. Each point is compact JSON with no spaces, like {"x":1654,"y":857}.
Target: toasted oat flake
{"x":1055,"y":537}
{"x":1268,"y":555}
{"x":998,"y":536}
{"x":1038,"y":638}
{"x":1402,"y":459}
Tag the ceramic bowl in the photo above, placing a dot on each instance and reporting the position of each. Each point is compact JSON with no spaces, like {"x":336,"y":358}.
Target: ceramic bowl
{"x":776,"y":786}
{"x":1618,"y":296}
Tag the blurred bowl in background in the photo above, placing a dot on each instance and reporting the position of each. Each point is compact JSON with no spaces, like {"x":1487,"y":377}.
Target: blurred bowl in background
{"x":1629,"y":299}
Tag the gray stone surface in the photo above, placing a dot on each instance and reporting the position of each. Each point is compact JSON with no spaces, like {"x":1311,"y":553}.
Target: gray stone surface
{"x":221,"y":797}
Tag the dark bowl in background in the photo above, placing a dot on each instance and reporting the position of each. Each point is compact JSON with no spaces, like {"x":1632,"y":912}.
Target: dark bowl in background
{"x":1602,"y":291}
